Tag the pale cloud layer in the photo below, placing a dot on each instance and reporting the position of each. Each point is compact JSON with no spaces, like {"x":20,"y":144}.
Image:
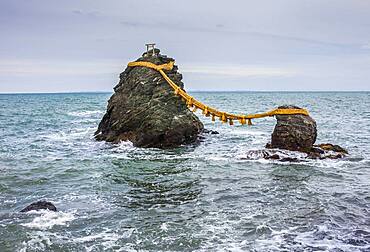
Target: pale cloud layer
{"x":238,"y":70}
{"x":64,"y":46}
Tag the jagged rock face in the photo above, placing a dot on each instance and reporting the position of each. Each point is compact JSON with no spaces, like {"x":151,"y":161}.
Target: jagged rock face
{"x":294,"y":132}
{"x":145,"y":110}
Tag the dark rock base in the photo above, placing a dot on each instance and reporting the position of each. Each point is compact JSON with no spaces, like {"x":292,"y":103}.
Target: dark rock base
{"x":40,"y":205}
{"x":321,"y":151}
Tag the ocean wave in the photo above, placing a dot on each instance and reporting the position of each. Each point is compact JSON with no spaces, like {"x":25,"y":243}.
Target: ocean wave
{"x":124,"y":146}
{"x":107,"y":238}
{"x":321,"y":237}
{"x":247,"y":154}
{"x":48,"y":219}
{"x":86,"y":113}
{"x":74,"y":134}
{"x":245,"y":132}
{"x":45,"y":240}
{"x":37,"y":241}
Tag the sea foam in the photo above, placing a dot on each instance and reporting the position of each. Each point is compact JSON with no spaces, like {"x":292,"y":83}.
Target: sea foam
{"x":48,"y":219}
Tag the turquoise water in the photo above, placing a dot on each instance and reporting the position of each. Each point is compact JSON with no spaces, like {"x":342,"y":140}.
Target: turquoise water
{"x":204,"y":197}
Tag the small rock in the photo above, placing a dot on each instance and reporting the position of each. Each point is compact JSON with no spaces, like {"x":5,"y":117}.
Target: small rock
{"x":292,"y":156}
{"x":212,"y":132}
{"x":293,"y":132}
{"x":298,"y":133}
{"x":273,"y":156}
{"x":332,"y":147}
{"x":289,"y":159}
{"x":39,"y":205}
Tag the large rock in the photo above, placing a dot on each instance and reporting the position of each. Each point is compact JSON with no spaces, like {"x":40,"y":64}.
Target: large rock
{"x":145,"y":110}
{"x":293,"y":132}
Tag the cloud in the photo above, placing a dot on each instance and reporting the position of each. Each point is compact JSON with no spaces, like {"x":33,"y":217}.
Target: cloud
{"x":61,"y":68}
{"x":239,"y":70}
{"x":131,"y":24}
{"x":43,"y":67}
{"x":87,"y":13}
{"x":311,"y":44}
{"x":366,"y":46}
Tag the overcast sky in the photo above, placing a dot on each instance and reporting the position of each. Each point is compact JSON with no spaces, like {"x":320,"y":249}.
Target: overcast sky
{"x":73,"y":45}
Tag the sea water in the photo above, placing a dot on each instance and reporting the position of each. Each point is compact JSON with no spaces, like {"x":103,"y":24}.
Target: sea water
{"x":201,"y":197}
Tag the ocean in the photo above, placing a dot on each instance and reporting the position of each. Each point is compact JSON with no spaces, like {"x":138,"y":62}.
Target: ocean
{"x":201,"y":197}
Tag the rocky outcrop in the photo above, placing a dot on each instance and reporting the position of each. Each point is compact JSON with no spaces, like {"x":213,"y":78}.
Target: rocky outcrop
{"x":296,"y":133}
{"x":293,"y":132}
{"x":40,"y":205}
{"x":145,"y":110}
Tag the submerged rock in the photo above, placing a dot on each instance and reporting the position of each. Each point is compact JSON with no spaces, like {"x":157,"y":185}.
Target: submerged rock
{"x":39,"y":205}
{"x":275,"y":154}
{"x":315,"y":152}
{"x":332,"y":147}
{"x":212,"y":132}
{"x":327,"y":150}
{"x":145,"y":110}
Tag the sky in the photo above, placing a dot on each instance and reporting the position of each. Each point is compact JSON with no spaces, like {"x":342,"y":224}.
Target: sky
{"x":241,"y":45}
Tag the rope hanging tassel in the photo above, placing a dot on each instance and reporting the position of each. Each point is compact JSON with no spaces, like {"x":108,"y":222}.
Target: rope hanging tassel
{"x":209,"y":111}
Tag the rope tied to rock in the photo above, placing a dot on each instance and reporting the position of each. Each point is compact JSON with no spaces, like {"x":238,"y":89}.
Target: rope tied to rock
{"x":209,"y":111}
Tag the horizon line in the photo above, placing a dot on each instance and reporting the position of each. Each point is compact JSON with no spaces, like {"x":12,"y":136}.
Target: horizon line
{"x":201,"y":91}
